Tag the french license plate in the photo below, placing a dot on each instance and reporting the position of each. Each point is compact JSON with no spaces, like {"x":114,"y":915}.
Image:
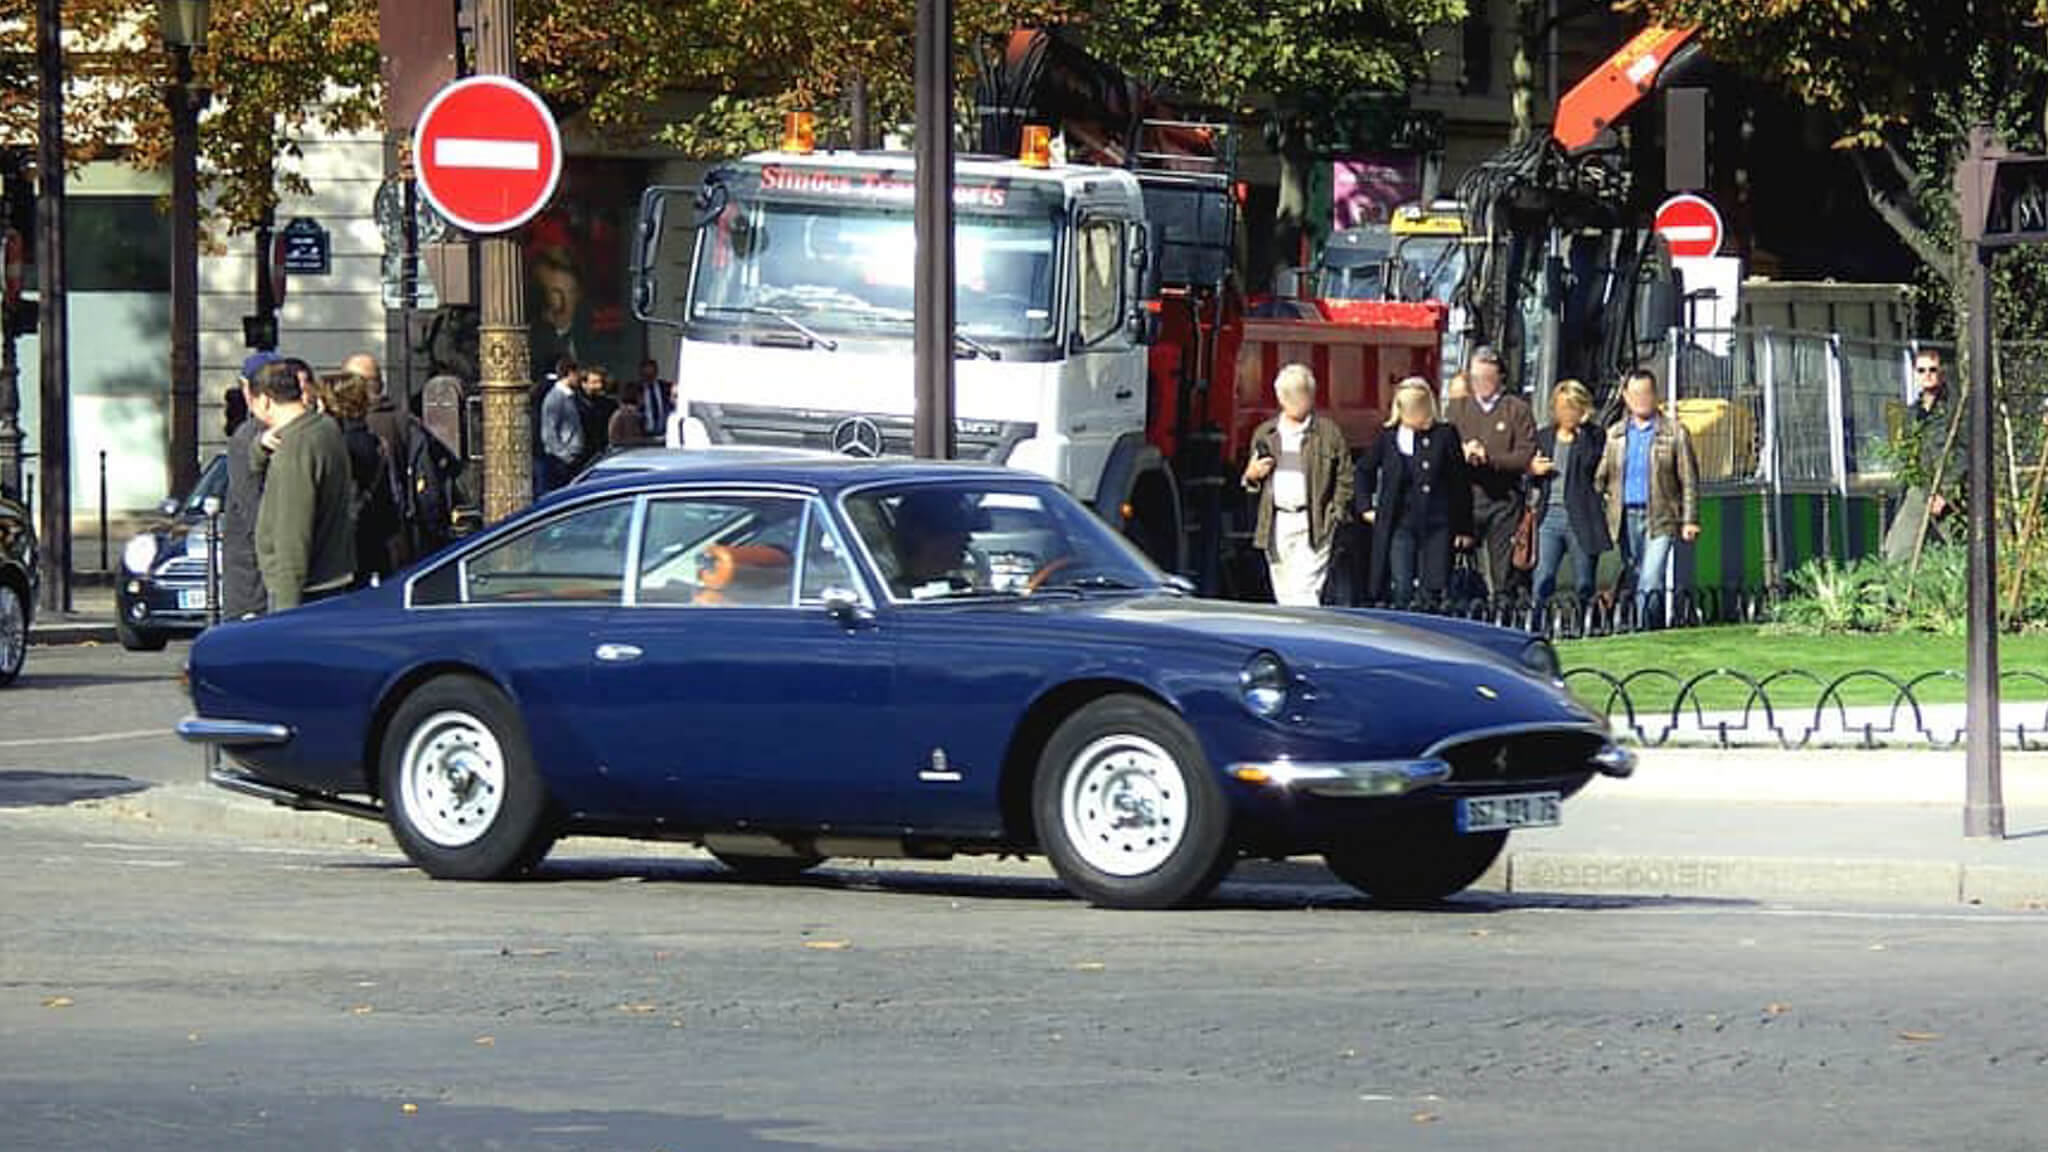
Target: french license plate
{"x":1499,"y":813}
{"x":191,"y":599}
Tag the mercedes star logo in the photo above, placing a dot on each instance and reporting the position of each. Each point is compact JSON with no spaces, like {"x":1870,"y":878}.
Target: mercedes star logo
{"x":857,"y":436}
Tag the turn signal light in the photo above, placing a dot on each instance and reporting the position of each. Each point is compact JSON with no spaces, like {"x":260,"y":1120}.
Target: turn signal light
{"x":799,"y":132}
{"x":1036,"y":151}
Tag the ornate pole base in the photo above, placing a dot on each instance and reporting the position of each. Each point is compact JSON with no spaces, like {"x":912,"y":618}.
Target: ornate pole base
{"x":508,"y":402}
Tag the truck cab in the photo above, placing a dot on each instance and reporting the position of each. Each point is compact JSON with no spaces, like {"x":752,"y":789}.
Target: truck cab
{"x":796,"y":308}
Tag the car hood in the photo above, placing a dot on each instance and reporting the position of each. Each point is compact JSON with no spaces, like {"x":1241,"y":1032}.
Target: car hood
{"x":1316,"y":638}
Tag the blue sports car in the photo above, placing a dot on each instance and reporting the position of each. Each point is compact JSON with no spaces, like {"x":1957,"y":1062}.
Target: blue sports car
{"x":790,"y":658}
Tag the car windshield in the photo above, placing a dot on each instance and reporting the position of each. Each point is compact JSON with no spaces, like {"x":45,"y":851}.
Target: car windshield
{"x":212,"y":483}
{"x":1000,"y":538}
{"x":848,"y":267}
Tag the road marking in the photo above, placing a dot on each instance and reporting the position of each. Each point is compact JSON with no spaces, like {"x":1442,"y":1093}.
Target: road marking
{"x":498,"y":155}
{"x":98,"y":738}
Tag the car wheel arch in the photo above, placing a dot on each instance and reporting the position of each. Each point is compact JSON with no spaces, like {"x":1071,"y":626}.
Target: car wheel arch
{"x":1035,"y":729}
{"x":394,"y":695}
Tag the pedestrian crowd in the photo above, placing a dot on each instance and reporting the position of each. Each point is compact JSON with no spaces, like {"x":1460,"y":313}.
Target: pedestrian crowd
{"x":333,"y":483}
{"x":1474,"y":500}
{"x":579,"y":416}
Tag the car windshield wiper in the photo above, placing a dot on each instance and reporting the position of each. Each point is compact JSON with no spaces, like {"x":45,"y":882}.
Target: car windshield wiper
{"x":785,"y":319}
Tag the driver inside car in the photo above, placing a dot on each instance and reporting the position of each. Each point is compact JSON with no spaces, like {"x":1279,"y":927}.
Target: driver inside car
{"x":932,"y":531}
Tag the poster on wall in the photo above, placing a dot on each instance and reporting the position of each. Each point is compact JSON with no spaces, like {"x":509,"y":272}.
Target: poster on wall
{"x":1367,"y":189}
{"x":576,"y":270}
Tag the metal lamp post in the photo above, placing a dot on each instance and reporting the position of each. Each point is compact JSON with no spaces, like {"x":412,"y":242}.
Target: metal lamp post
{"x":183,"y":23}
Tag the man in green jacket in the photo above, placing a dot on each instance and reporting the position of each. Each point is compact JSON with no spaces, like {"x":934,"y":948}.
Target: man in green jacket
{"x":305,"y":528}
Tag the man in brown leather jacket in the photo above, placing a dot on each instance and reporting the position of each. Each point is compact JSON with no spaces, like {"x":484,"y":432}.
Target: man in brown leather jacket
{"x":1499,"y":433}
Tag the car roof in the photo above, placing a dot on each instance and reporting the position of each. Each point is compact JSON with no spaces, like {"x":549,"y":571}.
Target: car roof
{"x":644,"y":467}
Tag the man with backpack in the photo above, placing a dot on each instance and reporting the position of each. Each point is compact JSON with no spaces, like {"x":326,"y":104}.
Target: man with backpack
{"x":422,"y":470}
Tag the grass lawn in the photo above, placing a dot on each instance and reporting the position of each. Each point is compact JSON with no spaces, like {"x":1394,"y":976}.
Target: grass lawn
{"x":1686,"y":652}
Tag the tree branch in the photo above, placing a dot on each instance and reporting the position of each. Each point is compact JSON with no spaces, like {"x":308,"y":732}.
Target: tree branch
{"x":1931,"y":253}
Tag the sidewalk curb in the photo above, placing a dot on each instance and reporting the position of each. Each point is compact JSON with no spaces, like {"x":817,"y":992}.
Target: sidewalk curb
{"x":204,"y":811}
{"x":58,"y":635}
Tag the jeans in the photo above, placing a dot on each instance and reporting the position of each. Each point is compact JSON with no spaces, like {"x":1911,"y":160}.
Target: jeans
{"x":1553,"y":540}
{"x":1424,"y":555}
{"x":1648,"y":559}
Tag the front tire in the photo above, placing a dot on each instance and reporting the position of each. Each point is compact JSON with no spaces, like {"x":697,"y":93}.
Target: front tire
{"x":1415,"y":858}
{"x":135,"y":639}
{"x":1128,"y":809}
{"x":13,"y":633}
{"x":461,"y":790}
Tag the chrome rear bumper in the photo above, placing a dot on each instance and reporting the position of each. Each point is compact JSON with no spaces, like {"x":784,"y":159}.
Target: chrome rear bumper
{"x":232,"y":733}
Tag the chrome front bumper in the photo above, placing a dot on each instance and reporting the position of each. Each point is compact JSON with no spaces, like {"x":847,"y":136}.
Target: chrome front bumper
{"x":1363,"y":778}
{"x":1388,"y":777}
{"x":231,"y":733}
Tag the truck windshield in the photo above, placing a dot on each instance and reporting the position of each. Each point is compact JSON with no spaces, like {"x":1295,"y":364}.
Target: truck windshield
{"x":848,"y":267}
{"x":1431,"y":266}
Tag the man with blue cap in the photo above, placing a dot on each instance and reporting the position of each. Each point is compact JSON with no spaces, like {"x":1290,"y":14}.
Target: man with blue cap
{"x":241,"y":582}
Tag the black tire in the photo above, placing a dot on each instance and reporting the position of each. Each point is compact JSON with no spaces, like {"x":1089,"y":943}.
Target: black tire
{"x":139,"y":639}
{"x":767,"y":869}
{"x":1415,"y":858}
{"x":1201,"y":852}
{"x":13,"y":633}
{"x":520,"y":829}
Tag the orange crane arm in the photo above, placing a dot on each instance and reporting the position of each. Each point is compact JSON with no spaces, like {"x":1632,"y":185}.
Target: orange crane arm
{"x":1616,"y":86}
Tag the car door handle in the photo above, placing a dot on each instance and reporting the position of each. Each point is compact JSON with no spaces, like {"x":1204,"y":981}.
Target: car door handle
{"x":1124,"y":393}
{"x":617,"y":653}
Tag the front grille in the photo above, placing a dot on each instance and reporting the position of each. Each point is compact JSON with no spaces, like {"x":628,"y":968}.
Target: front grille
{"x":183,"y":572}
{"x":1523,"y":756}
{"x":781,"y":428}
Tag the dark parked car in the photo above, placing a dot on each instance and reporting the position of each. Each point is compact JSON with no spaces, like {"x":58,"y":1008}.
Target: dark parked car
{"x":791,"y":659}
{"x":164,"y":583}
{"x":17,"y":586}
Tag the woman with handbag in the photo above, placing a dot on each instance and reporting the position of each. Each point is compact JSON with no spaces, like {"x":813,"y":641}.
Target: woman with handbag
{"x":1568,"y":516}
{"x":1413,"y":490}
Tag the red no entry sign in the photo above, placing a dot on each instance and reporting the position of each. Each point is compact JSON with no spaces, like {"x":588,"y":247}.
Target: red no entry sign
{"x":1690,"y":225}
{"x":488,"y":153}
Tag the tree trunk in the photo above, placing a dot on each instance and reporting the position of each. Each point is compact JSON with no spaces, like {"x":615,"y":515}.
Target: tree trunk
{"x":1290,"y":210}
{"x":1522,"y":73}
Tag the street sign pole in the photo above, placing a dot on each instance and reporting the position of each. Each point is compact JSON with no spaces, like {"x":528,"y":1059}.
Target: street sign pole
{"x":1978,"y":200}
{"x":933,"y":300}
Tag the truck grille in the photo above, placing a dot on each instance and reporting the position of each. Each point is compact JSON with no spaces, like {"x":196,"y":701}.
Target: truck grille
{"x":989,"y":440}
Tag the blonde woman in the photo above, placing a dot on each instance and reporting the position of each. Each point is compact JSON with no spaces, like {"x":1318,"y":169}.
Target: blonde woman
{"x":1413,"y":490}
{"x":1300,"y":468}
{"x":1570,"y":517}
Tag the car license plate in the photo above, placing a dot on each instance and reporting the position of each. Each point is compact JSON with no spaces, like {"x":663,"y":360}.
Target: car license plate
{"x":191,"y":599}
{"x":1499,"y":813}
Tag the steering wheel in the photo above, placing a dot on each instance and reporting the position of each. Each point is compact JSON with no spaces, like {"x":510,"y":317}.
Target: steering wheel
{"x":1039,"y":577}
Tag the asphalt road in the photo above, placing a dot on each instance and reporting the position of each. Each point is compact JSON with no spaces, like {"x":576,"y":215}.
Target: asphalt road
{"x":159,"y":991}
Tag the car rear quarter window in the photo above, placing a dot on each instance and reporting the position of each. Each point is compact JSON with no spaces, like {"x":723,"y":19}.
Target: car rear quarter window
{"x":720,"y":551}
{"x":578,"y":557}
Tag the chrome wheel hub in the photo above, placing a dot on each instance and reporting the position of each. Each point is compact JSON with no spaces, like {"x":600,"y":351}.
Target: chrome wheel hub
{"x":1124,"y":805}
{"x":453,"y":779}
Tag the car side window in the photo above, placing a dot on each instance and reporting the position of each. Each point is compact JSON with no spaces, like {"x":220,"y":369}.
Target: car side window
{"x":720,"y":551}
{"x":1100,"y":248}
{"x":824,"y":560}
{"x":579,"y":557}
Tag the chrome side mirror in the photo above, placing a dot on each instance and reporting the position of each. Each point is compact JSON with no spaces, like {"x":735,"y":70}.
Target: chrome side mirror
{"x":210,"y":506}
{"x":843,"y":604}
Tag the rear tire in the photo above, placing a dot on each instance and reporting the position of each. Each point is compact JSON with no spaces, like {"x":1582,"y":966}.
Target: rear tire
{"x":1128,"y":809}
{"x":139,"y":639}
{"x":460,"y":787}
{"x":767,"y":869}
{"x":1415,"y":858}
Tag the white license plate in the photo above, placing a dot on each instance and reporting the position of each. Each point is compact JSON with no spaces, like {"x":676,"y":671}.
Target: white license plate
{"x":191,"y":599}
{"x":1521,"y":810}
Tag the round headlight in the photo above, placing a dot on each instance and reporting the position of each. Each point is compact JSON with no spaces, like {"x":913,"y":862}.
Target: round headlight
{"x":1263,"y":684}
{"x":1539,"y":657}
{"x":140,"y":554}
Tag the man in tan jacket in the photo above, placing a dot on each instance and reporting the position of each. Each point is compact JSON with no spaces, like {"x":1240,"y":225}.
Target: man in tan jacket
{"x":1301,"y":470}
{"x":1651,"y":481}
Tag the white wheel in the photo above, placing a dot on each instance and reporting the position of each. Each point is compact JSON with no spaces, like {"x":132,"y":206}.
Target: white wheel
{"x":1125,"y":805}
{"x":453,"y":776}
{"x":13,"y":633}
